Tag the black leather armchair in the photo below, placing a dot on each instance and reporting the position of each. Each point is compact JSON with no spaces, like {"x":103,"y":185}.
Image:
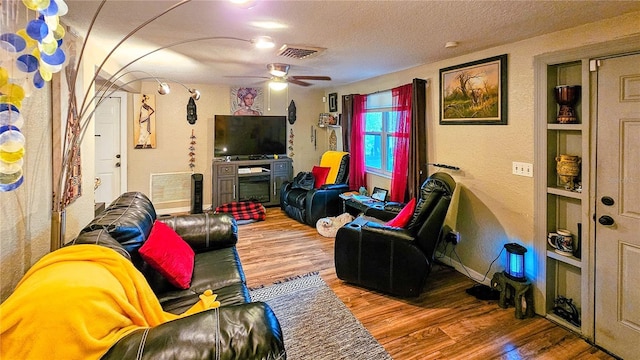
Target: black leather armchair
{"x":395,"y":260}
{"x":308,"y":206}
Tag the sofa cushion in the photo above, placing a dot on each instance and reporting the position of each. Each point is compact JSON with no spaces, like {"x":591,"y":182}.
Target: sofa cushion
{"x":320,"y":174}
{"x":212,"y":270}
{"x":166,"y":252}
{"x":402,"y":219}
{"x":179,"y":302}
{"x":217,"y":269}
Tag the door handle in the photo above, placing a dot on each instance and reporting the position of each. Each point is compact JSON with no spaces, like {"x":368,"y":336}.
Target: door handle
{"x":118,"y":164}
{"x":606,"y":220}
{"x":118,"y":156}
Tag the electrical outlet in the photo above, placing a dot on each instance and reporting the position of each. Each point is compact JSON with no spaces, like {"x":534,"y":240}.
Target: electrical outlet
{"x":453,"y":237}
{"x":522,"y":169}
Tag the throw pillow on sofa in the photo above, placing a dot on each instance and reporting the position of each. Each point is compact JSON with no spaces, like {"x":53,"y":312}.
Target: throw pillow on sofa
{"x":402,"y":219}
{"x":169,"y":254}
{"x":320,"y":174}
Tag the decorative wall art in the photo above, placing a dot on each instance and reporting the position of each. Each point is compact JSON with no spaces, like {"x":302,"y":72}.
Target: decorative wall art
{"x":247,"y":101}
{"x":144,"y":128}
{"x":474,"y":92}
{"x":333,"y":102}
{"x":192,"y":150}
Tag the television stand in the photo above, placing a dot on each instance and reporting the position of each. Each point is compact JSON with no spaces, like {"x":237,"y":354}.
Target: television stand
{"x":247,"y":180}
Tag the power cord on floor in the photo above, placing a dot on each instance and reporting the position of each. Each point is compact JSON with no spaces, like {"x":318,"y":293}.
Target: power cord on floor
{"x":467,"y":271}
{"x":453,"y":251}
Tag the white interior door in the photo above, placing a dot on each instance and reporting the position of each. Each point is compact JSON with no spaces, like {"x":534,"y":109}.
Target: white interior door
{"x":110,"y":157}
{"x":617,"y":287}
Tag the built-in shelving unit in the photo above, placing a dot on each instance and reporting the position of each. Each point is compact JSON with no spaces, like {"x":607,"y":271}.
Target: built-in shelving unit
{"x":556,"y":206}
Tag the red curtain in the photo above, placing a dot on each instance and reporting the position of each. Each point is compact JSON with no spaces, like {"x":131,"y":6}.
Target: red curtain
{"x":401,"y":113}
{"x":357,"y":175}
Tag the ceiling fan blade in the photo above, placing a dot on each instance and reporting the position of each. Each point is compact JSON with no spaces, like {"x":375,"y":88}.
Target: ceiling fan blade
{"x":310,"y":77}
{"x":298,"y":82}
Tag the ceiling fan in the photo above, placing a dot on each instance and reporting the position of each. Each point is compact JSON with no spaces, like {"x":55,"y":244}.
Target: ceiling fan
{"x":280,"y":76}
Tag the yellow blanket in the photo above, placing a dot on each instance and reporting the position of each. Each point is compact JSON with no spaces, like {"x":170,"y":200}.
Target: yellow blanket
{"x":332,"y":159}
{"x":76,"y":302}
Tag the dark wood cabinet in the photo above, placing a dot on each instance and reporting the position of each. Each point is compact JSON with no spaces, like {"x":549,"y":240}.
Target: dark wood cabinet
{"x":245,"y":180}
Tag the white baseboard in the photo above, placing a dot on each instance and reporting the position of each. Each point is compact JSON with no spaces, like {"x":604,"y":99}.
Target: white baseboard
{"x":475,"y":276}
{"x":183,"y":209}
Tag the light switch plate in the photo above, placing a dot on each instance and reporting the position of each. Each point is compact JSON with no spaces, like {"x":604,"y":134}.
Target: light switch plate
{"x":522,"y":169}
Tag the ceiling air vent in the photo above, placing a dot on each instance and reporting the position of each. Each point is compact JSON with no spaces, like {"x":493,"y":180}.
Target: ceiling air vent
{"x":299,"y":51}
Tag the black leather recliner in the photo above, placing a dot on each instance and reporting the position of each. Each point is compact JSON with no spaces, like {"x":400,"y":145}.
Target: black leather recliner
{"x":308,"y":206}
{"x":395,"y":260}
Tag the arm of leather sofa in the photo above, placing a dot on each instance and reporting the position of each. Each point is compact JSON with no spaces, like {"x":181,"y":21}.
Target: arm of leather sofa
{"x":384,"y":211}
{"x":247,"y":331}
{"x":284,"y":190}
{"x":204,"y":232}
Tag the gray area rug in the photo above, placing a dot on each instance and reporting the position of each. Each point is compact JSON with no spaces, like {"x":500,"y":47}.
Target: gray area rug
{"x":316,"y":324}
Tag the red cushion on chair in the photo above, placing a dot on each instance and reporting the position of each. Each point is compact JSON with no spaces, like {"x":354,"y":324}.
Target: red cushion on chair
{"x":169,"y":254}
{"x":402,"y":219}
{"x":320,"y":173}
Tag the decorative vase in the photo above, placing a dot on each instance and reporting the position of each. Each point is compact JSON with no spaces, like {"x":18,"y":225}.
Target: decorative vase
{"x":568,"y":168}
{"x":566,"y":97}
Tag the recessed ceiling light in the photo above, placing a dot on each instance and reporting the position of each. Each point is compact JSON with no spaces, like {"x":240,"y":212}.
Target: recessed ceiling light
{"x":263,"y":42}
{"x":270,"y":25}
{"x":246,"y":4}
{"x":451,"y":44}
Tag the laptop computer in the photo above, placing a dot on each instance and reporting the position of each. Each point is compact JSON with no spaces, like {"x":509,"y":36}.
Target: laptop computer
{"x":379,"y":194}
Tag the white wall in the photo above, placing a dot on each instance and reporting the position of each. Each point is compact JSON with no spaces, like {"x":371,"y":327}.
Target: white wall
{"x":495,"y":207}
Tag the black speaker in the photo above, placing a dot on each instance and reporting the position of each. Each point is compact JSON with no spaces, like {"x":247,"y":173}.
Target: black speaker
{"x":196,"y":193}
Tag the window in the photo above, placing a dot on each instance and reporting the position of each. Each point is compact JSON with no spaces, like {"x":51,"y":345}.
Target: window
{"x":379,"y":137}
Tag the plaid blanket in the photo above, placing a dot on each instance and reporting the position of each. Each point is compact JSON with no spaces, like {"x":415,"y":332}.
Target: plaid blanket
{"x":243,"y":210}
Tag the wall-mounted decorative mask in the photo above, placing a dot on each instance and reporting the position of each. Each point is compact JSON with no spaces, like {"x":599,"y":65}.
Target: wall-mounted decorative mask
{"x":192,"y":114}
{"x":292,"y":112}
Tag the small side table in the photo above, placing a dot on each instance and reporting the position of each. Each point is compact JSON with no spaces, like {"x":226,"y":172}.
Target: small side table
{"x":516,"y":291}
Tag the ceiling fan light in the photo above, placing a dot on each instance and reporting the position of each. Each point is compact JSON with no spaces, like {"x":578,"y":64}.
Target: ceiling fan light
{"x":277,"y":85}
{"x":163,"y":88}
{"x":263,"y":42}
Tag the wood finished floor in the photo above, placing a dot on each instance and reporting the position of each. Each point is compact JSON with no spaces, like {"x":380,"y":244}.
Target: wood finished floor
{"x":443,"y":323}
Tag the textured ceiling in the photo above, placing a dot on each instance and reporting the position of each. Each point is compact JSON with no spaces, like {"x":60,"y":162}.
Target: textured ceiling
{"x":363,"y":39}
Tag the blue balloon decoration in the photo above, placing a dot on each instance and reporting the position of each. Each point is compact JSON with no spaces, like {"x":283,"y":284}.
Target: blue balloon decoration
{"x":38,"y":81}
{"x":5,"y":107}
{"x":12,"y":42}
{"x":57,"y":58}
{"x":37,"y":29}
{"x":27,"y":63}
{"x":51,"y":10}
{"x":11,"y":186}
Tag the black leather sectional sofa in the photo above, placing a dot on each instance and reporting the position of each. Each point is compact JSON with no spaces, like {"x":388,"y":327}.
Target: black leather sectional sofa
{"x":239,"y":329}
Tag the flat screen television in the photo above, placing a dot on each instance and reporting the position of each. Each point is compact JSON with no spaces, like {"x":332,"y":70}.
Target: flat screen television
{"x":245,"y":136}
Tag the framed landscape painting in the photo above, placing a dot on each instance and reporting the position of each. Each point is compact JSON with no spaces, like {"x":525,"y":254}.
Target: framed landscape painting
{"x":474,"y":92}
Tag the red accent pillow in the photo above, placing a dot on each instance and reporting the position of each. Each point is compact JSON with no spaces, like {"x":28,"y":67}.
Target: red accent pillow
{"x":169,"y":254}
{"x":402,"y":219}
{"x":320,"y":173}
